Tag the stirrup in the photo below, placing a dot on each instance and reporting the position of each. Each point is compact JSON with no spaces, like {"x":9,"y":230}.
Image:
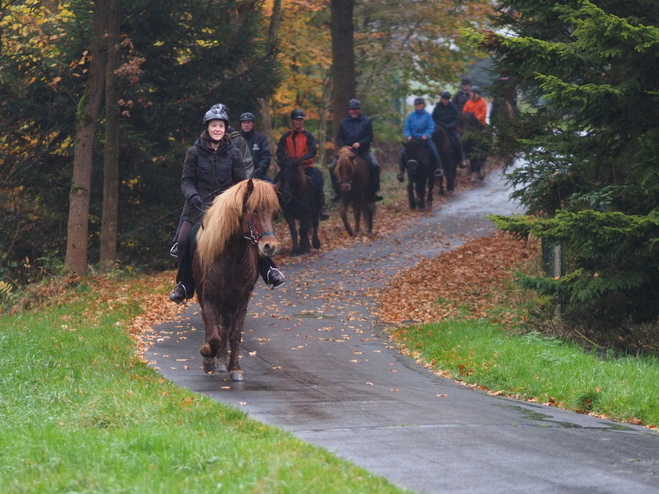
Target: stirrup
{"x":174,"y":250}
{"x":271,"y":285}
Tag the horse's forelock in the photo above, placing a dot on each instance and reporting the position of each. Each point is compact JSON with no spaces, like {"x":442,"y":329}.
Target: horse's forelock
{"x":344,"y":161}
{"x":264,"y":196}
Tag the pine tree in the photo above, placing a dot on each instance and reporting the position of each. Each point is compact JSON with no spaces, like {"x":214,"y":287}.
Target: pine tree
{"x":590,"y":143}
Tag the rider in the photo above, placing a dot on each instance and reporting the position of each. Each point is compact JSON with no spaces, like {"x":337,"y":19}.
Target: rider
{"x":446,"y":116}
{"x":419,"y":124}
{"x":504,"y":95}
{"x":356,"y":131}
{"x":258,"y":146}
{"x":212,"y":165}
{"x":463,"y":94}
{"x":299,"y":146}
{"x":476,"y":105}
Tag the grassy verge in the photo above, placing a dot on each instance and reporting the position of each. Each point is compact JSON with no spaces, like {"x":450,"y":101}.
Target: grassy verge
{"x":538,"y":368}
{"x":80,"y":412}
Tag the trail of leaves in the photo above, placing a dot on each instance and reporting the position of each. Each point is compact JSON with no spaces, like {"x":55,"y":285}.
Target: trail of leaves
{"x":463,"y":282}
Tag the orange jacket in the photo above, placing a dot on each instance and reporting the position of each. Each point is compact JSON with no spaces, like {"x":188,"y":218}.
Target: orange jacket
{"x":478,"y":108}
{"x":297,"y":144}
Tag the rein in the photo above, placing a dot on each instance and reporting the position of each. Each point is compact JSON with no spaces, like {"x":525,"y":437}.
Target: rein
{"x":254,"y":234}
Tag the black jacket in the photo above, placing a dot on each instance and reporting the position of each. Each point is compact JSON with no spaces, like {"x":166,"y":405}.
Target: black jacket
{"x":258,"y":146}
{"x":445,"y":116}
{"x":208,"y":173}
{"x":354,"y":130}
{"x":460,"y":98}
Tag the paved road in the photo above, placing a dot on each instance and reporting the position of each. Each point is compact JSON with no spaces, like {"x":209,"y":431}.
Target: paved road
{"x":318,"y":364}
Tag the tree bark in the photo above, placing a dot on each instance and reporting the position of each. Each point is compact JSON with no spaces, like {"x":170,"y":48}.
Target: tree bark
{"x":111,"y":150}
{"x":344,"y":79}
{"x":88,"y":110}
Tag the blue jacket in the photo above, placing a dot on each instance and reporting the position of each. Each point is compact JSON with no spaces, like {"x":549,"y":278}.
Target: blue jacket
{"x":418,"y":124}
{"x":354,"y":130}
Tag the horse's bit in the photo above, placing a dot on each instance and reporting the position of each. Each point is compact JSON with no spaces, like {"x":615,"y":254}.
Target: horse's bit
{"x":254,"y":235}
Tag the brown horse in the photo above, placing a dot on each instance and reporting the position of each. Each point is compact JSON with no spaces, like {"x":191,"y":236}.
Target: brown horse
{"x":236,"y":230}
{"x":355,"y":189}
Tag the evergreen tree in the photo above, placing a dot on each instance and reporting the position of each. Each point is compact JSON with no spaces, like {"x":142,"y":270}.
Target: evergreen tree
{"x":590,"y":143}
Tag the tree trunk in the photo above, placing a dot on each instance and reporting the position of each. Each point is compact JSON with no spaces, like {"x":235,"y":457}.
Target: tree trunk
{"x":111,"y":151}
{"x":264,"y":103}
{"x":344,"y":80}
{"x":88,"y":110}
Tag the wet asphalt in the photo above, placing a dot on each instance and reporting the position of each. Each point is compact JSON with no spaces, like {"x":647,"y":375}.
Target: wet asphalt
{"x":318,"y":364}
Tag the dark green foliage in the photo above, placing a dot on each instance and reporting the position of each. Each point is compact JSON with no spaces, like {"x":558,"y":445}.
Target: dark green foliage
{"x":590,"y":73}
{"x":179,"y":58}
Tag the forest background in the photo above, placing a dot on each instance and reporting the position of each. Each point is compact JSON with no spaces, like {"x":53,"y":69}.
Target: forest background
{"x":162,"y":64}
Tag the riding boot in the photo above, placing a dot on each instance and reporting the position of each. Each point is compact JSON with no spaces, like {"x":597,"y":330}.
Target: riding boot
{"x":335,"y":188}
{"x":375,"y":182}
{"x":271,"y":275}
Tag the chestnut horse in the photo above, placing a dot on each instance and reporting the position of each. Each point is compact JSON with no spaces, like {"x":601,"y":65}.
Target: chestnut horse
{"x":355,"y":189}
{"x":237,"y":228}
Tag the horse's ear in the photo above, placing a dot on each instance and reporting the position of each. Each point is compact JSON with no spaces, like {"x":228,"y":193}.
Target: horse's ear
{"x":248,"y":191}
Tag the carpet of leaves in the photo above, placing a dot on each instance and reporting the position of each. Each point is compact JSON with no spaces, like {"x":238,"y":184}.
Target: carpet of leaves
{"x":466,"y":282}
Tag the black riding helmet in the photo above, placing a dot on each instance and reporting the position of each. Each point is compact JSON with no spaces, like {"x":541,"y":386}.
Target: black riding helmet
{"x":446,"y":95}
{"x":297,"y":113}
{"x":419,"y":101}
{"x":217,"y":112}
{"x":475,"y":89}
{"x":246,"y":116}
{"x":354,"y":104}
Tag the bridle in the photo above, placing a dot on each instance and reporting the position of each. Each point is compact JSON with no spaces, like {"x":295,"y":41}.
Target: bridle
{"x":254,"y":234}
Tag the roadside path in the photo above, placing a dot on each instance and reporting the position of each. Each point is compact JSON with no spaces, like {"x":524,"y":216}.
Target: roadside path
{"x":318,"y":364}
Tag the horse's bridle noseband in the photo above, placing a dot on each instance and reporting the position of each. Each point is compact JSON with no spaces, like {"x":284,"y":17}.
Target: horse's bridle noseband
{"x":254,"y":234}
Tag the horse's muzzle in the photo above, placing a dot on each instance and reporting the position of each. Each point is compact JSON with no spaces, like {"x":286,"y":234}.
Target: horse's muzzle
{"x":268,"y":245}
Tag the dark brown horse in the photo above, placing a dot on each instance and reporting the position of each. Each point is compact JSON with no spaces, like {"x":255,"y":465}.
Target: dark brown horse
{"x":236,"y":230}
{"x":449,"y":157}
{"x":476,"y":144}
{"x":417,"y":160}
{"x":300,"y":203}
{"x":355,"y":189}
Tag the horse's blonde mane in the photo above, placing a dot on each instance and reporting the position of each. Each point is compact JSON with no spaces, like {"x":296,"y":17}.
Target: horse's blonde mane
{"x":223,"y":218}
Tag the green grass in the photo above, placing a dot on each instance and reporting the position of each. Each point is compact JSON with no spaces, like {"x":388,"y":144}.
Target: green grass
{"x":533,"y":366}
{"x":79,"y":412}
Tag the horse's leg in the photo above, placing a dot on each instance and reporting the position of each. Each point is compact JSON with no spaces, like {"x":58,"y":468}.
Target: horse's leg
{"x":450,"y":176}
{"x":369,"y":213}
{"x":235,"y":335}
{"x":214,"y":343}
{"x":343,"y":213}
{"x":431,"y":185}
{"x":357,"y":213}
{"x":410,"y":194}
{"x":315,"y":240}
{"x":305,"y":246}
{"x":421,"y":193}
{"x":295,"y":248}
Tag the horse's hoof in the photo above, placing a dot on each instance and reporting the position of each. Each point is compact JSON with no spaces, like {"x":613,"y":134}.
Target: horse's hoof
{"x":316,"y":244}
{"x":209,"y":366}
{"x":422,"y":209}
{"x":221,"y":368}
{"x":237,"y":376}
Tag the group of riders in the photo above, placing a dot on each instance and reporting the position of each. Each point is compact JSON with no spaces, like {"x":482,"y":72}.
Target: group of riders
{"x":223,"y":156}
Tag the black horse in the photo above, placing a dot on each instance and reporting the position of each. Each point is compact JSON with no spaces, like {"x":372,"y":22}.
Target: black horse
{"x":299,"y":202}
{"x":417,"y":159}
{"x":476,"y":144}
{"x":450,"y":156}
